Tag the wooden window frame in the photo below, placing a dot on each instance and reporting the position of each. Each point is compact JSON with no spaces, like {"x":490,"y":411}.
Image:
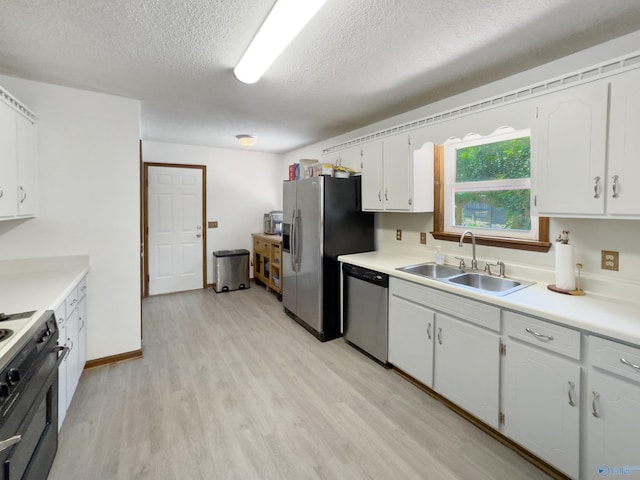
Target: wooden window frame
{"x":541,"y":245}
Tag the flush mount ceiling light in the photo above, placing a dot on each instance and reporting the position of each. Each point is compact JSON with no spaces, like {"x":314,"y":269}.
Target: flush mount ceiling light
{"x":246,"y":140}
{"x":284,"y":22}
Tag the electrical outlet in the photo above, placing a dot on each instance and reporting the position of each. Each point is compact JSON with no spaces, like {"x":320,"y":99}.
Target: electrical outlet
{"x":609,"y":260}
{"x":423,"y":238}
{"x":398,"y":234}
{"x":213,"y":224}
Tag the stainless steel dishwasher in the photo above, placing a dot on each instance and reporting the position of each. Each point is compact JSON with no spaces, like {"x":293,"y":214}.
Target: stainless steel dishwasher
{"x":365,"y":310}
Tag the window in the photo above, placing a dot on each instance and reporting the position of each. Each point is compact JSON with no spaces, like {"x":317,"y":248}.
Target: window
{"x":485,"y":187}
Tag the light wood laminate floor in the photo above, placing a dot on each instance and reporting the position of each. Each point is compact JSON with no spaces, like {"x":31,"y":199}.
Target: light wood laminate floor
{"x":232,"y":388}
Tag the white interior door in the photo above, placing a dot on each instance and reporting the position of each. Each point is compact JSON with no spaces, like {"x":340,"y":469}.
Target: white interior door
{"x":175,"y":229}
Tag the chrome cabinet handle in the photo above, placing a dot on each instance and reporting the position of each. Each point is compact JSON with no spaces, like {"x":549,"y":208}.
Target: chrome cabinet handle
{"x":572,"y":387}
{"x":386,"y":197}
{"x":632,"y":365}
{"x":594,"y":407}
{"x":440,"y":336}
{"x":615,"y":186}
{"x":71,"y":342}
{"x":4,"y":444}
{"x":379,"y":195}
{"x":1,"y":193}
{"x":429,"y":331}
{"x":596,"y":187}
{"x":24,"y":197}
{"x":539,"y":335}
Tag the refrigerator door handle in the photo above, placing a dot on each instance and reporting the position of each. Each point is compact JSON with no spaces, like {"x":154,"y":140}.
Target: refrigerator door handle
{"x":296,"y":228}
{"x":292,"y":242}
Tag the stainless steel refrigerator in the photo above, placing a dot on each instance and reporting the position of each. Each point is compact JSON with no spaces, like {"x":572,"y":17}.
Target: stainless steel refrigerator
{"x":322,"y":218}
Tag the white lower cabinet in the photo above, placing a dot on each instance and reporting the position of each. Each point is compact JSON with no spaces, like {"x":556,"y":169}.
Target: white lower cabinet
{"x":411,"y":331}
{"x":457,"y":356}
{"x":71,"y":319}
{"x":541,"y":402}
{"x":613,"y":410}
{"x":467,"y":367}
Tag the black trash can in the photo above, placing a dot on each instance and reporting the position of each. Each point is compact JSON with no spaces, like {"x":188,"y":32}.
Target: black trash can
{"x":230,"y":270}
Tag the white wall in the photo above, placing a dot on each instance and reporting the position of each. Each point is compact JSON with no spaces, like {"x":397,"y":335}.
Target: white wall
{"x":590,"y":236}
{"x":88,"y":203}
{"x":242,"y":185}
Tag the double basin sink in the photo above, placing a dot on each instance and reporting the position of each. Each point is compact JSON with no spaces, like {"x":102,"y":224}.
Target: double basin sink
{"x":471,"y":280}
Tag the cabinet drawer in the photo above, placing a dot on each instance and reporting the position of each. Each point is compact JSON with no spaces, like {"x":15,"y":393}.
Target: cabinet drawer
{"x":60,"y":314}
{"x":72,"y":300}
{"x":472,"y":311}
{"x":615,"y":357}
{"x":82,"y":288}
{"x":548,"y":336}
{"x":260,"y":245}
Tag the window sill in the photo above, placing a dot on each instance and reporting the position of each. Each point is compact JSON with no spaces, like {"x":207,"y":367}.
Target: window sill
{"x":516,"y":244}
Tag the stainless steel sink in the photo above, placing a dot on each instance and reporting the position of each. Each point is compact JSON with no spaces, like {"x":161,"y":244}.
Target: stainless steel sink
{"x":481,"y":282}
{"x":487,"y":283}
{"x":431,"y":270}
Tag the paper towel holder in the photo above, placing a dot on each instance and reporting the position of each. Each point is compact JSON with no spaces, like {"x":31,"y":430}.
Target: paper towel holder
{"x":578,"y":292}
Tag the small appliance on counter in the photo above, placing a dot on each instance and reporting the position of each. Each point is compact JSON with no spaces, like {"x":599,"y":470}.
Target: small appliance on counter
{"x":273,"y":222}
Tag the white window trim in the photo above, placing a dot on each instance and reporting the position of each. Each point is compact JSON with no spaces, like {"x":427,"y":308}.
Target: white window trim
{"x":451,"y":146}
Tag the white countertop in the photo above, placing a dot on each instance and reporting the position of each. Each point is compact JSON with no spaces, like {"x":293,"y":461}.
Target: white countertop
{"x":37,"y":284}
{"x":615,"y":319}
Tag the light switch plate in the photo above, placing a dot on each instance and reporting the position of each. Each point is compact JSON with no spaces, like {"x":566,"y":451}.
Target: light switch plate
{"x":423,"y":238}
{"x":610,"y":260}
{"x":398,"y":234}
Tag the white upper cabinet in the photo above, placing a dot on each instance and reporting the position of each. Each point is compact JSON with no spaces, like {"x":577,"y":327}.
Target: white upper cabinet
{"x":623,"y":175}
{"x":569,"y":148}
{"x":27,"y":158}
{"x":18,"y":159}
{"x":585,"y":155}
{"x":397,"y":174}
{"x":8,"y":164}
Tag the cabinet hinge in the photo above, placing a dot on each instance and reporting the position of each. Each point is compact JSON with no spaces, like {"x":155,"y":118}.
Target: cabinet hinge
{"x":535,"y":200}
{"x":501,"y":418}
{"x":502,"y":348}
{"x":536,"y":112}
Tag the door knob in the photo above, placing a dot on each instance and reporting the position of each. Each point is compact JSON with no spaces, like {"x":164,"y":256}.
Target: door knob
{"x":198,"y":235}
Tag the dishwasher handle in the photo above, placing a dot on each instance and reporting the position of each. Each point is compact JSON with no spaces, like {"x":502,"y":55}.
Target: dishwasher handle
{"x":366,"y":275}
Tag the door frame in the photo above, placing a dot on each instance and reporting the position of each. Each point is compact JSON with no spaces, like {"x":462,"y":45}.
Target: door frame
{"x":145,"y":220}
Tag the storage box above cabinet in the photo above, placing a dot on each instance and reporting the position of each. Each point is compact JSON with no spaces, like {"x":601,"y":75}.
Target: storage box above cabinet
{"x":397,"y":174}
{"x":17,"y":159}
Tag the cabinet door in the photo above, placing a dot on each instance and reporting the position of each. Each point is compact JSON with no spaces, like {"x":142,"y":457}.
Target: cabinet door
{"x":467,"y":367}
{"x":27,"y":159}
{"x":541,"y":405}
{"x":8,"y":164}
{"x":350,"y":158}
{"x":568,"y":154}
{"x":82,"y":334}
{"x":73,"y":359}
{"x":62,"y":377}
{"x":411,"y":331}
{"x":612,"y":426}
{"x":372,"y":199}
{"x":397,"y":160}
{"x":623,"y":180}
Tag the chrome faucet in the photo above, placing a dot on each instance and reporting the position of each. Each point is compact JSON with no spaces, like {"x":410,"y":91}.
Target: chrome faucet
{"x":474,"y":262}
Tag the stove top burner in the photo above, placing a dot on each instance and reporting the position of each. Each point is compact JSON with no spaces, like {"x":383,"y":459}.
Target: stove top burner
{"x":16,"y":316}
{"x":5,"y":333}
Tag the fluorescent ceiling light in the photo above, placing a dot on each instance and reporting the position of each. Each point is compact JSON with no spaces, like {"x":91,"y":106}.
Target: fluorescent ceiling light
{"x":286,"y":19}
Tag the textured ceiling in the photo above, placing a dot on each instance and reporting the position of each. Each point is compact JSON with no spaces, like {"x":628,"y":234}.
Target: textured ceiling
{"x":356,"y":62}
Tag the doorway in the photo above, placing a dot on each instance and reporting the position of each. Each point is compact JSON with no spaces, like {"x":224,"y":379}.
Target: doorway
{"x":174,"y":228}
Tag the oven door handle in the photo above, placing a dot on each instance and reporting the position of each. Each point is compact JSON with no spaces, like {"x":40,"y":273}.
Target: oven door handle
{"x":65,"y":352}
{"x":9,"y":442}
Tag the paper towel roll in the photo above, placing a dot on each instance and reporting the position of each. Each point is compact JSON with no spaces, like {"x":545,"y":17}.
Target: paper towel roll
{"x":565,"y":267}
